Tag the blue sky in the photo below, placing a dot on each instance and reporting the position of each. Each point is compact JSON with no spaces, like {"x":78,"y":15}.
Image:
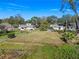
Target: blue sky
{"x":29,"y":8}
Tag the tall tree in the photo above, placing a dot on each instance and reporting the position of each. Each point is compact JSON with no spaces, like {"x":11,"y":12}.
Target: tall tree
{"x":1,"y":21}
{"x":20,"y":19}
{"x":73,"y":5}
{"x":35,"y":21}
{"x":44,"y":25}
{"x":51,"y":19}
{"x":14,"y":20}
{"x":64,"y":18}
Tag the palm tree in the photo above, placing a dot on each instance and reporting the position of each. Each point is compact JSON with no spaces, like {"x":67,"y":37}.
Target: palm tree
{"x":73,"y":5}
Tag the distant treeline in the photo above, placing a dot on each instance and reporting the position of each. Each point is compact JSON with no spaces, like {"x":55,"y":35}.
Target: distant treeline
{"x":37,"y":21}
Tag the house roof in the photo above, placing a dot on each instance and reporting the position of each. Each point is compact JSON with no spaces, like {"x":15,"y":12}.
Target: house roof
{"x":5,"y":26}
{"x":26,"y":25}
{"x":60,"y":24}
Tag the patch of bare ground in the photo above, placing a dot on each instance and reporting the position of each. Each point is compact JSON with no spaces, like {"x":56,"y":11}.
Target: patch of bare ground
{"x":11,"y":54}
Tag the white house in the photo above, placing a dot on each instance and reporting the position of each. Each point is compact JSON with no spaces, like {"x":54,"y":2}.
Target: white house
{"x":22,"y":26}
{"x":27,"y":26}
{"x":57,"y":27}
{"x":30,"y":26}
{"x":71,"y":27}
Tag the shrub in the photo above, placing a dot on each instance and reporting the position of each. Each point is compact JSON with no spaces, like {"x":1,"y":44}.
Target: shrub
{"x":44,"y":26}
{"x":60,"y":31}
{"x":11,"y":35}
{"x":2,"y":33}
{"x":67,"y":36}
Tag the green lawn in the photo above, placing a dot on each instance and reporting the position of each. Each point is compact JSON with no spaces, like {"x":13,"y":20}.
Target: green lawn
{"x":7,"y":45}
{"x":38,"y":37}
{"x":53,"y":52}
{"x":38,"y":45}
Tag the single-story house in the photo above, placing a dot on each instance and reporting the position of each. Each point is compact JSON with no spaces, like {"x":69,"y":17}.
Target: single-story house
{"x":71,"y":27}
{"x":27,"y":26}
{"x":6,"y":26}
{"x":22,"y":27}
{"x":57,"y":26}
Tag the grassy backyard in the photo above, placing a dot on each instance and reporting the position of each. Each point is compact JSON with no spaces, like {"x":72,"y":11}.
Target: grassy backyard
{"x":37,"y":37}
{"x":37,"y":45}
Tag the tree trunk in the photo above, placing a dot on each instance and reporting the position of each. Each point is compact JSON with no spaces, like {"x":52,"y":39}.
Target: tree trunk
{"x":65,"y":26}
{"x":77,"y":25}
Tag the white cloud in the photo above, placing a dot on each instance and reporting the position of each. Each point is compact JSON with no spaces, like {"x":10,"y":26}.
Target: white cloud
{"x":13,"y":7}
{"x":17,"y":5}
{"x":13,"y":4}
{"x":69,"y":10}
{"x":54,"y":9}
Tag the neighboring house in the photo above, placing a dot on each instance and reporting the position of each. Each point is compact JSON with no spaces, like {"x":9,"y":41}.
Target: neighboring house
{"x":71,"y":27}
{"x":2,"y":27}
{"x":30,"y":26}
{"x":57,"y":26}
{"x":22,"y":27}
{"x":6,"y":26}
{"x":27,"y":26}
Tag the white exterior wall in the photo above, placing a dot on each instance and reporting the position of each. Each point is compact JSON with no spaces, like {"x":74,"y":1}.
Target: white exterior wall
{"x":56,"y":27}
{"x":61,"y":27}
{"x":28,"y":26}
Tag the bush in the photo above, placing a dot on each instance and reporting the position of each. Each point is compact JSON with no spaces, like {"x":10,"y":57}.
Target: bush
{"x":60,"y":31}
{"x":44,"y":26}
{"x":11,"y":35}
{"x":2,"y":33}
{"x":67,"y":36}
